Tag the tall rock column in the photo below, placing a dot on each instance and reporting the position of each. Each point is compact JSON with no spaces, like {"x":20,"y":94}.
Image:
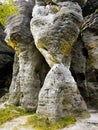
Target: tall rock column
{"x":55,"y":27}
{"x":26,"y":81}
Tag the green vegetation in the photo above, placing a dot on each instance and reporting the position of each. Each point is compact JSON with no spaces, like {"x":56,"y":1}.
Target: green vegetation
{"x":44,"y":124}
{"x":6,"y":9}
{"x":10,"y":112}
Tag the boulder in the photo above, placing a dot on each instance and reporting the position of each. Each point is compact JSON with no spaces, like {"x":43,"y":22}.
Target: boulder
{"x":59,"y":96}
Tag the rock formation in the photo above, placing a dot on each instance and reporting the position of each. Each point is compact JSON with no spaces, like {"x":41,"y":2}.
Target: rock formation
{"x":90,"y":37}
{"x":27,"y":75}
{"x":54,"y":34}
{"x":59,"y":96}
{"x":6,"y":63}
{"x":55,"y":65}
{"x":52,"y":28}
{"x":78,"y":66}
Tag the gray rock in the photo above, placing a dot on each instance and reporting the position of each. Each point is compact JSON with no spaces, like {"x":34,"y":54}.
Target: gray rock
{"x":59,"y":96}
{"x":45,"y":2}
{"x":90,"y":38}
{"x":78,"y":66}
{"x":27,"y":80}
{"x":55,"y":29}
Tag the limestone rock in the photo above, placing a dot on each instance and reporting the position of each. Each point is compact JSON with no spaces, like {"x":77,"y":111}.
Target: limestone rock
{"x":55,"y":28}
{"x":59,"y":96}
{"x":6,"y":63}
{"x":45,"y":2}
{"x":27,"y":80}
{"x":90,"y":38}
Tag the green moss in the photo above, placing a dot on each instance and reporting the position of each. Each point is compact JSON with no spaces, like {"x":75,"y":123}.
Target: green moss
{"x":66,"y":101}
{"x":10,"y":112}
{"x":44,"y":124}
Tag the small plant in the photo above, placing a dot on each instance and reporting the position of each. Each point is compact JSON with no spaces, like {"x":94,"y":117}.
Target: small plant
{"x":6,"y":9}
{"x":44,"y":124}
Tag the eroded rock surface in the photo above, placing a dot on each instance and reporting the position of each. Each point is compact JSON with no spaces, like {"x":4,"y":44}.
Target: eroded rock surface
{"x":45,"y":2}
{"x":78,"y":67}
{"x":90,"y":38}
{"x":59,"y":96}
{"x":56,"y":28}
{"x":27,"y":76}
{"x":53,"y":29}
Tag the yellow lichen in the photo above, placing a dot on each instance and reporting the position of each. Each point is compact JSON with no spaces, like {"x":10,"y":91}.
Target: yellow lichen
{"x":51,"y":60}
{"x":92,"y":46}
{"x":14,"y":46}
{"x":65,"y":49}
{"x":55,"y":9}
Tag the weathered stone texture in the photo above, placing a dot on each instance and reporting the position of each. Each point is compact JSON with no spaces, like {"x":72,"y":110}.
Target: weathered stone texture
{"x":55,"y":28}
{"x":90,"y":38}
{"x":27,"y":80}
{"x":45,"y":2}
{"x":59,"y":96}
{"x":55,"y":32}
{"x":78,"y":66}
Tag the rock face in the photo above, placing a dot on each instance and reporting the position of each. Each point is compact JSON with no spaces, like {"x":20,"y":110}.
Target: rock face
{"x":90,"y":38}
{"x":45,"y":2}
{"x":78,"y":66}
{"x":27,"y":76}
{"x":54,"y":34}
{"x":59,"y":96}
{"x":53,"y":29}
{"x":6,"y":63}
{"x":56,"y":37}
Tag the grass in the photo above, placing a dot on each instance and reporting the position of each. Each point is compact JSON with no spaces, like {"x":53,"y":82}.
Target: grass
{"x":44,"y":124}
{"x":10,"y":112}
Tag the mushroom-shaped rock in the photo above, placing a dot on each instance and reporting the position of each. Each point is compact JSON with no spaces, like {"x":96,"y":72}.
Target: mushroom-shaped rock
{"x":55,"y":28}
